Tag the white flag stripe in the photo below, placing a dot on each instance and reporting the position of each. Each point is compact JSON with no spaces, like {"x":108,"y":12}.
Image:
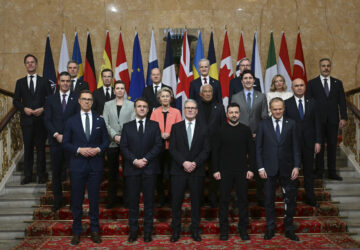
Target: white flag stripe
{"x":64,"y":55}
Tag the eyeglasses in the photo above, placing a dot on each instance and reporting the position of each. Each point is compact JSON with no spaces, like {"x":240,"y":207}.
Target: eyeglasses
{"x":190,"y":108}
{"x":86,"y":99}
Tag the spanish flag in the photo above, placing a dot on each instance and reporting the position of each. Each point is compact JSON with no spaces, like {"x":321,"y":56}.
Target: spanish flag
{"x":107,"y":59}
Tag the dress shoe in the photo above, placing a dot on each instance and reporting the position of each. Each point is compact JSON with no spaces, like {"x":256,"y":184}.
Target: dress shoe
{"x":196,"y":236}
{"x":269,"y":234}
{"x":261,"y":203}
{"x":161,"y":202}
{"x":318,"y":176}
{"x":42,"y":180}
{"x":75,"y":240}
{"x":95,"y":237}
{"x":312,"y":203}
{"x":291,"y":235}
{"x":147,"y":237}
{"x":132,"y":237}
{"x":335,"y":177}
{"x":224,"y":237}
{"x":26,"y":180}
{"x":244,"y":235}
{"x":110,"y":204}
{"x":175,"y":237}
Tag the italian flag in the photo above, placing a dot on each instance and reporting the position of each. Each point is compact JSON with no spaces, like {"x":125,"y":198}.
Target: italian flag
{"x":271,"y":68}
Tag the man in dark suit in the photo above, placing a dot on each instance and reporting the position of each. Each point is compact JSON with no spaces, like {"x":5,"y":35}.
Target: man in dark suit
{"x":189,"y":148}
{"x":236,"y":84}
{"x":29,"y":99}
{"x":302,"y":111}
{"x":150,"y":92}
{"x":86,"y":139}
{"x":232,"y":148}
{"x":58,"y":109}
{"x":211,"y":113}
{"x":104,"y":93}
{"x":140,"y":146}
{"x":76,"y":84}
{"x":194,"y":92}
{"x":278,"y":158}
{"x":329,"y":95}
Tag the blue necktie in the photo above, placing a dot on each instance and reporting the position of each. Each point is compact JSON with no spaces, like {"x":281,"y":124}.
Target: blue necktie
{"x":248,"y":100}
{"x":301,"y":110}
{"x":277,"y":130}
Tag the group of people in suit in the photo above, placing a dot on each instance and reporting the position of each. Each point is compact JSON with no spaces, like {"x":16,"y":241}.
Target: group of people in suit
{"x":160,"y":149}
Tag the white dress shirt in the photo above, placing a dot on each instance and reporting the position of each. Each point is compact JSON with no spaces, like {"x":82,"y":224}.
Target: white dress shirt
{"x":66,"y":97}
{"x":323,"y":82}
{"x":74,"y":81}
{"x":33,"y":79}
{"x":83,"y":119}
{"x":192,"y":126}
{"x":275,"y":123}
{"x":138,"y":124}
{"x":302,"y":100}
{"x":104,"y":87}
{"x":158,"y":85}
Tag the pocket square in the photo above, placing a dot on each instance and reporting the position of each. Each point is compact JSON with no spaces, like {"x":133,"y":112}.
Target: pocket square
{"x":97,"y":127}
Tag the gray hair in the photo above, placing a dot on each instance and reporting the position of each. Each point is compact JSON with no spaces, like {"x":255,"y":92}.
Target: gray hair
{"x":205,"y":85}
{"x":244,"y":59}
{"x":190,"y":100}
{"x":204,"y":60}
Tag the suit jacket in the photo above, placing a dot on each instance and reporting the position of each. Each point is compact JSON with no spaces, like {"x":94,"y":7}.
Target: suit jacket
{"x":80,"y":86}
{"x":55,"y":118}
{"x":74,"y":138}
{"x":195,"y":85}
{"x":133,"y":147}
{"x":236,"y":86}
{"x":99,"y":100}
{"x":277,"y":157}
{"x":148,"y":94}
{"x":172,"y":117}
{"x":23,"y":98}
{"x":308,"y":129}
{"x":180,"y":152}
{"x":114,"y":124}
{"x":328,"y":107}
{"x":258,"y":112}
{"x":217,"y":116}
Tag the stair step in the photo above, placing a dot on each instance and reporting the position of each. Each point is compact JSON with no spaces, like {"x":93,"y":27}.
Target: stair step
{"x":16,"y":188}
{"x":348,"y":183}
{"x":344,"y":196}
{"x":12,"y":230}
{"x":11,"y":214}
{"x":19,"y":200}
{"x":9,"y":243}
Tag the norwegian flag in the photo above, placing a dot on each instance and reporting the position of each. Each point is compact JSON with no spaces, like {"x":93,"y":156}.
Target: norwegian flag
{"x":226,"y":71}
{"x":185,"y":75}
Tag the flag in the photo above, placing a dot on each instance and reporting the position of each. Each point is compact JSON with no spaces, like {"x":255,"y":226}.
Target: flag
{"x":185,"y":74}
{"x":89,"y":71}
{"x":107,"y":59}
{"x":169,"y":73}
{"x":76,"y":56}
{"x":199,"y":54}
{"x":49,"y":67}
{"x":64,"y":56}
{"x":284,"y":68}
{"x":137,"y":82}
{"x":256,"y":64}
{"x":212,"y":58}
{"x":299,"y":69}
{"x":121,"y":69}
{"x":241,"y":55}
{"x":271,"y":67}
{"x":153,"y":60}
{"x":226,"y":71}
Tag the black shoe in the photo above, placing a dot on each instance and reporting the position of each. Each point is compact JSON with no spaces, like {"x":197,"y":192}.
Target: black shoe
{"x":110,"y":204}
{"x":335,"y":177}
{"x":161,"y":202}
{"x":269,"y":234}
{"x":26,"y":180}
{"x":319,"y":176}
{"x":291,"y":235}
{"x":244,"y":235}
{"x":132,"y":237}
{"x":224,"y":237}
{"x":57,"y":206}
{"x":312,"y":203}
{"x":95,"y":237}
{"x":175,"y":237}
{"x":147,"y":237}
{"x":196,"y":236}
{"x":261,"y":203}
{"x":42,"y":180}
{"x":75,"y":240}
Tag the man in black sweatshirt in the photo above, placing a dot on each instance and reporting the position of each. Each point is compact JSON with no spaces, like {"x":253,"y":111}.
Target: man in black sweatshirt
{"x":233,"y":161}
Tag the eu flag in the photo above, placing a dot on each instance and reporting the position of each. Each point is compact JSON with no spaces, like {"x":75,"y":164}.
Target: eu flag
{"x":137,"y":82}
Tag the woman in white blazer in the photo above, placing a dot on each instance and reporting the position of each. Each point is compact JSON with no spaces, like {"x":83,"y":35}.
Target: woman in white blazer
{"x":278,"y":88}
{"x":116,"y":112}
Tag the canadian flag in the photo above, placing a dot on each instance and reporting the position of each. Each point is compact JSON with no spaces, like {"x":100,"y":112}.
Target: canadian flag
{"x":241,"y":55}
{"x":226,"y":71}
{"x":299,"y":69}
{"x":284,"y":68}
{"x":121,"y":69}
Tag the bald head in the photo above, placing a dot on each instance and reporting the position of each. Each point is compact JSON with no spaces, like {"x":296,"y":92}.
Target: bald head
{"x":155,"y":76}
{"x":298,"y":87}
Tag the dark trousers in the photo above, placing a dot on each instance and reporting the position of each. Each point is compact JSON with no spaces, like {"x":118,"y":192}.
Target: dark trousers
{"x":59,"y":162}
{"x":113,"y":174}
{"x":134,"y":185}
{"x":165,"y":161}
{"x":307,"y":157}
{"x":34,"y":135}
{"x":289,"y":190}
{"x":78,"y":184}
{"x":330,"y":134}
{"x":213,"y":185}
{"x":178,"y":186}
{"x":241,"y":188}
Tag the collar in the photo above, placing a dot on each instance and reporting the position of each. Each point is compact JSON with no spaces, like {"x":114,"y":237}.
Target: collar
{"x":274,"y":120}
{"x":137,"y":120}
{"x":67,"y":93}
{"x":159,"y":85}
{"x":74,"y":79}
{"x":187,"y":121}
{"x":249,"y":91}
{"x":322,"y":78}
{"x":82,"y":112}
{"x":34,"y":75}
{"x":104,"y":87}
{"x":302,"y":98}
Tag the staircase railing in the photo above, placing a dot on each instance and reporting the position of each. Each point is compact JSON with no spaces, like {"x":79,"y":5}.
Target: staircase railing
{"x":10,"y":133}
{"x":351,"y":133}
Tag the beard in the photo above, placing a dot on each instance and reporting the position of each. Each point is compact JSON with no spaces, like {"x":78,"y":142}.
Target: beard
{"x":234,"y":121}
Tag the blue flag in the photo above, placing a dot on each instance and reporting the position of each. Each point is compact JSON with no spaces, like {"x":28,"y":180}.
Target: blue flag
{"x":49,"y":67}
{"x":137,"y":82}
{"x":153,"y":60}
{"x":199,"y":54}
{"x":76,"y":56}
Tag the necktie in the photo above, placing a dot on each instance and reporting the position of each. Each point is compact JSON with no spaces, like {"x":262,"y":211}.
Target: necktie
{"x":326,"y":87}
{"x":205,"y":82}
{"x":63,"y":103}
{"x":87,"y":126}
{"x":248,"y":100}
{"x":107,"y":96}
{"x":155,"y":90}
{"x":301,"y":109}
{"x":277,"y":130}
{"x":188,"y":132}
{"x":141,"y":128}
{"x":72,"y":85}
{"x":32,"y":89}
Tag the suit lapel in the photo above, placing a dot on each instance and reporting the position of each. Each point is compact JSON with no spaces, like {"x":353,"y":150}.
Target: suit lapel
{"x":271,"y":128}
{"x":284,"y":129}
{"x":195,"y":135}
{"x":307,"y":108}
{"x":82,"y":129}
{"x":184,"y":133}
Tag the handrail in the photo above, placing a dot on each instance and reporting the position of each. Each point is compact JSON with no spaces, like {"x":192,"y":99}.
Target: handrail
{"x":352,"y":91}
{"x":6,"y":92}
{"x":10,"y":114}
